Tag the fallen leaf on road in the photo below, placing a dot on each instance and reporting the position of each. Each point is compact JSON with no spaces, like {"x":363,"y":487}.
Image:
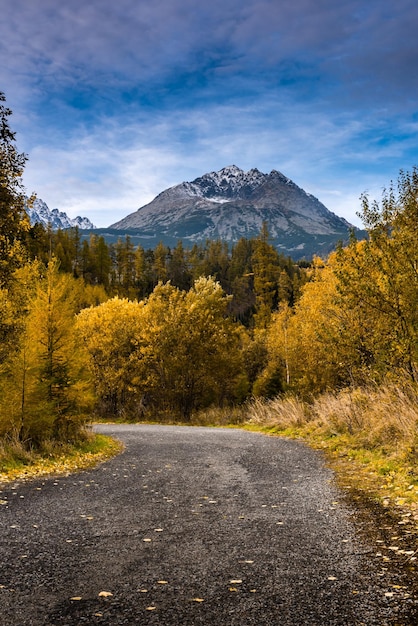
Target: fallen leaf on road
{"x":332,"y":578}
{"x":235,"y":582}
{"x":197,"y":600}
{"x":76,"y":598}
{"x":105,"y":594}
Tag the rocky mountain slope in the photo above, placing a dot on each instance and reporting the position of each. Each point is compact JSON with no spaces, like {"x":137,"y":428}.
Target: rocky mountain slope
{"x":230,"y":204}
{"x":39,"y":212}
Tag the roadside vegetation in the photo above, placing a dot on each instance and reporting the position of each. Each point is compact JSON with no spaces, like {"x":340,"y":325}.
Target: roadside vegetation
{"x":368,"y":437}
{"x":18,"y":462}
{"x":368,"y":434}
{"x":326,"y":350}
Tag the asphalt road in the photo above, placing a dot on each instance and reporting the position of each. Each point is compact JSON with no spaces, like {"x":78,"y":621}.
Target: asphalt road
{"x":192,"y":526}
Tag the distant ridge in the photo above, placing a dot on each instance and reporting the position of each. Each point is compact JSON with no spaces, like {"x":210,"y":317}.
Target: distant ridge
{"x":39,"y":213}
{"x":231,"y":204}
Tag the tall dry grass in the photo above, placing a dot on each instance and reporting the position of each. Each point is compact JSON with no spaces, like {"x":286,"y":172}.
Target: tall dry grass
{"x":281,"y":412}
{"x":385,"y":417}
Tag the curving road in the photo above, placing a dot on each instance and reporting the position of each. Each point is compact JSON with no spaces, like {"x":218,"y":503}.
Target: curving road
{"x":191,"y":526}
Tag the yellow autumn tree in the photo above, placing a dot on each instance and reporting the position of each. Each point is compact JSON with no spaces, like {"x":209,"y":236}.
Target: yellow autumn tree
{"x":45,"y":378}
{"x":190,"y":351}
{"x":312,"y":344}
{"x":379,"y":279}
{"x":170,"y":354}
{"x":356,"y":321}
{"x":109,"y":334}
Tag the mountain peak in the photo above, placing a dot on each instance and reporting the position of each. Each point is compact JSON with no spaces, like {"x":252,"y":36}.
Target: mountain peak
{"x":230,"y":204}
{"x":230,"y":170}
{"x":40,"y":213}
{"x":229,"y":182}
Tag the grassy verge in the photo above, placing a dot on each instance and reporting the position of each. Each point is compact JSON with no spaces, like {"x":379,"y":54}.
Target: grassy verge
{"x":16,"y":463}
{"x":390,"y":481}
{"x":369,"y":436}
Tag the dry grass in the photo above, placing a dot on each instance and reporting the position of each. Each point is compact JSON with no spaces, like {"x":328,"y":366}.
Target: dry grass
{"x":281,"y":413}
{"x":383,"y":418}
{"x":369,"y":435}
{"x":214,"y":416}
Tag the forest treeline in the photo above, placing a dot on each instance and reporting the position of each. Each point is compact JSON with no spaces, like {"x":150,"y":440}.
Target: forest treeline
{"x":162,"y":331}
{"x":252,"y":270}
{"x":90,"y":329}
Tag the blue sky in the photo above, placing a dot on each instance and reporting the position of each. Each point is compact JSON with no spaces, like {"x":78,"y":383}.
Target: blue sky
{"x":114,"y":101}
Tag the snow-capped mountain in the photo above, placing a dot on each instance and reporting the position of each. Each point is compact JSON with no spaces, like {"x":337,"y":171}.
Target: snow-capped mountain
{"x":39,"y":212}
{"x":230,"y":204}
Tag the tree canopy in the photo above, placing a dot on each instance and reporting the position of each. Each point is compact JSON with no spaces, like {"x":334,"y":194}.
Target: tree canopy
{"x":14,"y":222}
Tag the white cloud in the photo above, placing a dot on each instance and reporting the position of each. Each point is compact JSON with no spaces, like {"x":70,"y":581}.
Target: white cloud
{"x":110,"y":170}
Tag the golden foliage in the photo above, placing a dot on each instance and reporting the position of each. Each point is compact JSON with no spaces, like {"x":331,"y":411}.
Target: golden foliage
{"x":173,"y":352}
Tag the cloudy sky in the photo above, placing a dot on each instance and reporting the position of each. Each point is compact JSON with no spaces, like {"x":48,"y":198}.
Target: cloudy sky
{"x":116,"y":100}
